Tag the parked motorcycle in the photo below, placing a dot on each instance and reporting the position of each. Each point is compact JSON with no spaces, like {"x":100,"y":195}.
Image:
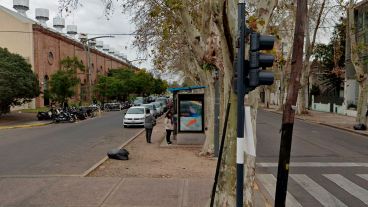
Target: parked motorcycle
{"x":65,"y":116}
{"x":48,"y":115}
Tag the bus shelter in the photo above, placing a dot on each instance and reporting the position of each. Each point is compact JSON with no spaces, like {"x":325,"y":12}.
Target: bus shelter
{"x":189,"y":116}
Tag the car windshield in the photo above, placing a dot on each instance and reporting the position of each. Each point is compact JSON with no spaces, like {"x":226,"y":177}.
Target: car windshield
{"x":148,"y":106}
{"x":135,"y":111}
{"x":139,"y":101}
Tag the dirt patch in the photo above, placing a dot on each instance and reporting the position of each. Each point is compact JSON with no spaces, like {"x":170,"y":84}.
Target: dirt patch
{"x":159,"y":160}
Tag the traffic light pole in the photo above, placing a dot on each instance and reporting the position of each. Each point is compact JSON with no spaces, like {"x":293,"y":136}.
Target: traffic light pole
{"x":240,"y":87}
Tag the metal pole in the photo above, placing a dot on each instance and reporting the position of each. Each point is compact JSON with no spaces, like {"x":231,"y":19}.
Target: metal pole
{"x":88,"y":74}
{"x":220,"y":154}
{"x":216,"y":118}
{"x":240,"y":106}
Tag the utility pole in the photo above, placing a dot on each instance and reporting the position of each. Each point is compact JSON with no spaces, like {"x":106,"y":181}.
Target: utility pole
{"x":290,"y":105}
{"x":87,"y":43}
{"x":240,"y":89}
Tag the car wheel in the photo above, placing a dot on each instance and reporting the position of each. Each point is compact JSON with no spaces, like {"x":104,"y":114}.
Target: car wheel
{"x":125,"y":126}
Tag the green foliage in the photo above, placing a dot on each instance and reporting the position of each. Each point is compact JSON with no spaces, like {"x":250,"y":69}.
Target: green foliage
{"x":331,"y":58}
{"x":18,"y":83}
{"x":121,"y":83}
{"x":65,"y":80}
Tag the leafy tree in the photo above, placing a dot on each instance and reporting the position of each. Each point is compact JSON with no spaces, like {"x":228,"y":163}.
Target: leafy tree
{"x":18,"y":83}
{"x":159,"y":86}
{"x":120,"y":83}
{"x":64,"y":81}
{"x":331,"y":58}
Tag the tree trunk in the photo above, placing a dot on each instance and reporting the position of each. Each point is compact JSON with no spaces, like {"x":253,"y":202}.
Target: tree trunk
{"x":303,"y":96}
{"x":358,"y":67}
{"x":225,"y":194}
{"x":362,"y":102}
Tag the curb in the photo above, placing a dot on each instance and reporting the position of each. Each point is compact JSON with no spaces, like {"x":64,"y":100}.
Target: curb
{"x":91,"y":169}
{"x":323,"y":124}
{"x":24,"y":126}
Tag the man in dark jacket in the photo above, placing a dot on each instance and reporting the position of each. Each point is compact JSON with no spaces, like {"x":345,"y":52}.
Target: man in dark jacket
{"x":148,"y":125}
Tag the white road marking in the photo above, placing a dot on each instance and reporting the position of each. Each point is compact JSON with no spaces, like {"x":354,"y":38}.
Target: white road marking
{"x":269,"y":182}
{"x":364,"y":176}
{"x":315,"y":164}
{"x":350,"y":187}
{"x":317,"y":191}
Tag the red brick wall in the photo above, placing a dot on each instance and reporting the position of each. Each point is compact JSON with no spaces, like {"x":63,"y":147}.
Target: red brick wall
{"x":46,"y":41}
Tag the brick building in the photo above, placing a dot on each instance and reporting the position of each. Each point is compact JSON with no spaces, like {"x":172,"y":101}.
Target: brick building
{"x":44,"y":47}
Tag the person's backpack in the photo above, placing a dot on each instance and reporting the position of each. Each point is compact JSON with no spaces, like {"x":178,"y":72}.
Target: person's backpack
{"x":118,"y":154}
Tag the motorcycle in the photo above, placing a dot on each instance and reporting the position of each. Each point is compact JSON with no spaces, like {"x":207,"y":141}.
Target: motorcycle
{"x":65,"y":116}
{"x":48,"y":115}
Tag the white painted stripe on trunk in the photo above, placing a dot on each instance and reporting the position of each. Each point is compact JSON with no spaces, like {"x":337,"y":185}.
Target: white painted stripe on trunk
{"x":269,"y":182}
{"x":348,"y":186}
{"x":315,"y":164}
{"x":317,"y":191}
{"x":250,"y":147}
{"x":240,"y":150}
{"x":364,"y":176}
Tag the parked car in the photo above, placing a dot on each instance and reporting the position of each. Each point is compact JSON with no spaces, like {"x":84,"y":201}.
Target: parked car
{"x":135,"y":116}
{"x":163,"y":100}
{"x":152,"y":109}
{"x":138,"y":101}
{"x":159,"y":107}
{"x":112,"y":106}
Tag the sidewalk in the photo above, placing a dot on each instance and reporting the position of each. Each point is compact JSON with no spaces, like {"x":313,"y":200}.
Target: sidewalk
{"x":337,"y":121}
{"x":20,"y":120}
{"x":149,"y":178}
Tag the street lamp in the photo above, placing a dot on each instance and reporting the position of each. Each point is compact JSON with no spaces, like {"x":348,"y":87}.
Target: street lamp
{"x":87,"y":43}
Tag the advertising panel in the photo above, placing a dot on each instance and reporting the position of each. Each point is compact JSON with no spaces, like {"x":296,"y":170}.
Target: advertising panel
{"x":191,"y":115}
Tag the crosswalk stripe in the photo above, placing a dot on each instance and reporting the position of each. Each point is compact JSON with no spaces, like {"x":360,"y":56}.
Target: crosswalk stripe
{"x":315,"y":164}
{"x":317,"y":191}
{"x":364,"y":176}
{"x":350,"y":187}
{"x":269,"y":182}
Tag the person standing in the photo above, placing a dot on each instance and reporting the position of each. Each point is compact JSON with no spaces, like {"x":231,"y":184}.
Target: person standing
{"x":169,"y":126}
{"x":148,"y":125}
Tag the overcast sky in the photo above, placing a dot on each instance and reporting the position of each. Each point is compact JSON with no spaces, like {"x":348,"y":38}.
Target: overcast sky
{"x":90,"y":19}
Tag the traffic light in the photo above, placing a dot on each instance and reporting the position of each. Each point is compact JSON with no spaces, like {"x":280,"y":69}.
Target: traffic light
{"x":259,"y":61}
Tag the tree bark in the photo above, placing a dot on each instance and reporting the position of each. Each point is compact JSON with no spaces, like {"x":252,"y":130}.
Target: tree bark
{"x":291,"y":99}
{"x":358,"y":67}
{"x":309,"y":46}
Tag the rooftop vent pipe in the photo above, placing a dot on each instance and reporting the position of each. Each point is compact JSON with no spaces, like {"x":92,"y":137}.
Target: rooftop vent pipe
{"x":59,"y":23}
{"x":71,"y":30}
{"x":22,"y":6}
{"x":42,"y":15}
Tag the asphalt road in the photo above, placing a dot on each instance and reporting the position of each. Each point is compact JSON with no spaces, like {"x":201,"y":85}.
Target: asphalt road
{"x":61,"y":149}
{"x":329,"y":167}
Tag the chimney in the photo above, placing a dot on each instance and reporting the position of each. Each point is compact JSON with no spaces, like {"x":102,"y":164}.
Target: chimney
{"x":111,"y":51}
{"x":42,"y":15}
{"x":22,"y":6}
{"x":106,"y":48}
{"x":71,"y":30}
{"x":99,"y":44}
{"x":59,"y":23}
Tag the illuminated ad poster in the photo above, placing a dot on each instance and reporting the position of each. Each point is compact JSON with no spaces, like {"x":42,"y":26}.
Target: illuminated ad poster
{"x":191,"y":113}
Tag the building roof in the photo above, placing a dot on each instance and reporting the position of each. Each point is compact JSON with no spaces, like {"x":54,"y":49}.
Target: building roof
{"x":361,"y":4}
{"x":36,"y":24}
{"x":172,"y":90}
{"x":17,"y":15}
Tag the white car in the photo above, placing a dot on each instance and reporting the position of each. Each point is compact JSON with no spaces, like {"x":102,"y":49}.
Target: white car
{"x":135,"y":116}
{"x":159,"y":108}
{"x":152,"y":109}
